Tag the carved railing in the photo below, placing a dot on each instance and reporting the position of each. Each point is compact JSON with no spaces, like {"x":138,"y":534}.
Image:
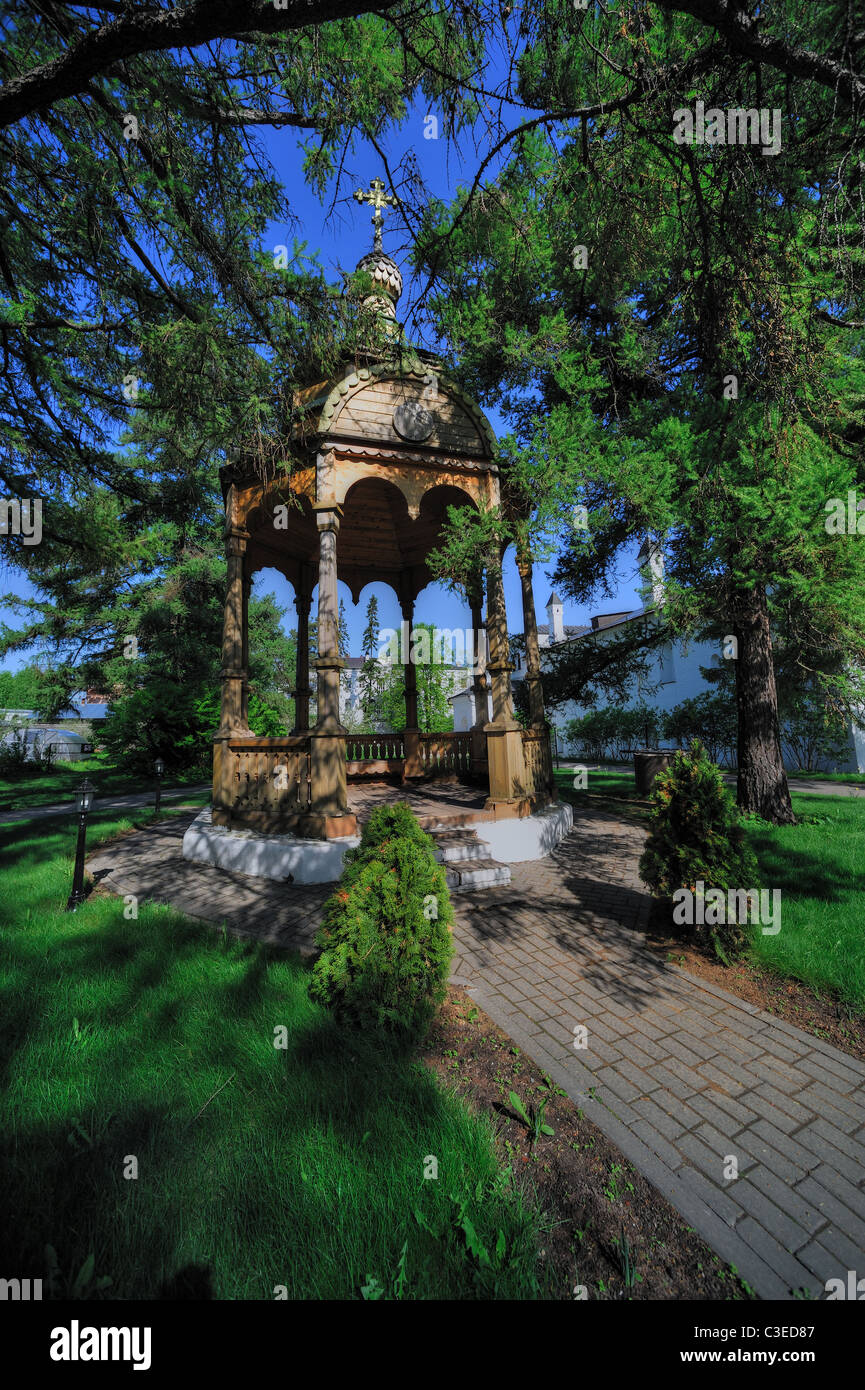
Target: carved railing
{"x":445,"y":754}
{"x":269,"y":774}
{"x":538,"y":760}
{"x":374,"y":748}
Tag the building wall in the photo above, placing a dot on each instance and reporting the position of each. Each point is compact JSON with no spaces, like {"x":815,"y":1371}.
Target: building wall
{"x":676,"y":674}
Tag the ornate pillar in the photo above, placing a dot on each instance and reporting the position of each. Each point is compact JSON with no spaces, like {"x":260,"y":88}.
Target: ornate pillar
{"x":234,"y":634}
{"x":232,"y":723}
{"x":497,"y":631}
{"x":530,"y":631}
{"x":247,"y":586}
{"x":504,"y":735}
{"x":329,"y":663}
{"x":412,"y":766}
{"x":302,"y":691}
{"x":329,"y":816}
{"x":479,"y":681}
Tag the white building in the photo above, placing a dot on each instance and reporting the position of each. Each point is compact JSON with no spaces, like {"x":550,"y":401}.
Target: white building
{"x":672,"y":673}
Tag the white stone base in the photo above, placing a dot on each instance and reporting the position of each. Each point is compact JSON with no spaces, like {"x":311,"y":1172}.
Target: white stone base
{"x":533,"y":837}
{"x":281,"y":857}
{"x":289,"y":858}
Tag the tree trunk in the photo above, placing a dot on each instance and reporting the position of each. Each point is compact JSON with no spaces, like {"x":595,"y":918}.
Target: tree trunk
{"x":762,"y":782}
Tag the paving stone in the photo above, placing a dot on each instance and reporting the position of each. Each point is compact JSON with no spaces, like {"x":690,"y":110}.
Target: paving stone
{"x":787,"y":1049}
{"x":830,"y":1153}
{"x":844,"y":1253}
{"x":725,"y":1114}
{"x":851,"y":1195}
{"x":838,"y":1082}
{"x":708,"y":1189}
{"x":786,"y":1266}
{"x":788,"y":1199}
{"x":720,"y":1082}
{"x":775,"y":1157}
{"x":670,"y":1126}
{"x":612,"y":1078}
{"x":668,"y":1153}
{"x":852,"y":1146}
{"x":736,"y":1070}
{"x":772,"y":1070}
{"x":785,"y":1112}
{"x":833,"y":1208}
{"x":820,"y":1101}
{"x":771,"y":1217}
{"x":690,"y":1051}
{"x":708,"y":1150}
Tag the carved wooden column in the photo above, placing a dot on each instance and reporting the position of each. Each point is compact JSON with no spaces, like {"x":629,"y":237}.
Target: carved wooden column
{"x":234,"y":640}
{"x":232,"y":723}
{"x":479,"y":681}
{"x":504,"y":735}
{"x":530,"y":632}
{"x":302,"y":691}
{"x":412,"y":766}
{"x":244,"y":661}
{"x":329,"y":816}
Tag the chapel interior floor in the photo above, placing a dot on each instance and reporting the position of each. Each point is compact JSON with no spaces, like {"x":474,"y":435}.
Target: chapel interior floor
{"x":432,"y":801}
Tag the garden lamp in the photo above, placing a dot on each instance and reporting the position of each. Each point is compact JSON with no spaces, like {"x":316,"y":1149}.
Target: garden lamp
{"x":160,"y":768}
{"x":83,"y":803}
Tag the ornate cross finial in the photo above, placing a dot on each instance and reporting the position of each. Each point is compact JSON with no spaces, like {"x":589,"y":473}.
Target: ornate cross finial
{"x":378,"y":199}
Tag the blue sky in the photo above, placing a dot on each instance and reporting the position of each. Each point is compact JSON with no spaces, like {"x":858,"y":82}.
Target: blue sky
{"x":341,"y":236}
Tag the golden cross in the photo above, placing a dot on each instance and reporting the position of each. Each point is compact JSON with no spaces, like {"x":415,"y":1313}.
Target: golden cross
{"x":377,"y":199}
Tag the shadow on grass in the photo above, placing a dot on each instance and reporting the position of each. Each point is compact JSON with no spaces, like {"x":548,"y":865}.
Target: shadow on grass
{"x":257,"y":1166}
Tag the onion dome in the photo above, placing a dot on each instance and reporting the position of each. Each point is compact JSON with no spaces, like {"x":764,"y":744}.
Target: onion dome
{"x":387,"y":282}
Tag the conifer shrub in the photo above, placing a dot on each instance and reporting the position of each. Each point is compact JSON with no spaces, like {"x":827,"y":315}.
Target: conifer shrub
{"x":697,"y":841}
{"x":385,"y":937}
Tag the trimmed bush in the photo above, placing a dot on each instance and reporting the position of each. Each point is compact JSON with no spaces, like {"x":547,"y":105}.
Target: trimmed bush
{"x":385,"y":937}
{"x":696,"y":836}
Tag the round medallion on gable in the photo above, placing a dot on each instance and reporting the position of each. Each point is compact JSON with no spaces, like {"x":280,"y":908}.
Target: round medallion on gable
{"x":413,"y":421}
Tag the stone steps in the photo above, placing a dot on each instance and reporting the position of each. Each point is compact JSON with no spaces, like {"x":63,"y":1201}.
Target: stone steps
{"x":463,"y":877}
{"x":466,"y":859}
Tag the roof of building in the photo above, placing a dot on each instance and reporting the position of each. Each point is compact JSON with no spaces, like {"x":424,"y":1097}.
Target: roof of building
{"x":554,"y":598}
{"x":570,"y":629}
{"x":602,"y":620}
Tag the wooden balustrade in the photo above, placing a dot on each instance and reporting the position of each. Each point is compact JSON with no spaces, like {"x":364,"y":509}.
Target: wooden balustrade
{"x":370,"y":748}
{"x":270,"y":775}
{"x":445,"y":754}
{"x":538,"y":760}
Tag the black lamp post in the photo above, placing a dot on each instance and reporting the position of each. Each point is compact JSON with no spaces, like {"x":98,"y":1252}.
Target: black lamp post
{"x":83,"y":802}
{"x":160,"y":768}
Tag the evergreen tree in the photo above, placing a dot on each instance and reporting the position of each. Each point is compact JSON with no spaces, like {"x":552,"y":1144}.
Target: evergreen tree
{"x":342,"y":630}
{"x":434,"y":681}
{"x":371,"y":674}
{"x":676,"y":332}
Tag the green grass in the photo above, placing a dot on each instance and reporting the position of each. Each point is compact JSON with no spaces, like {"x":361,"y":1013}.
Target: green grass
{"x":610,"y":784}
{"x":819,"y":866}
{"x":855,"y":778}
{"x":257,"y":1167}
{"x":31,"y":786}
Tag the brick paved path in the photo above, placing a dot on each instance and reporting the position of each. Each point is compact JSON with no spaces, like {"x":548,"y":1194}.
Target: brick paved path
{"x":680,"y":1075}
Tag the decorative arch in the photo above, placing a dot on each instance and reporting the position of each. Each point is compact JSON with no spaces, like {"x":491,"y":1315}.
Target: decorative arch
{"x":423,"y":378}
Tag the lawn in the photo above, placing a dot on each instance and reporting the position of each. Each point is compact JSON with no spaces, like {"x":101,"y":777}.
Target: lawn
{"x":819,"y":866}
{"x":258,"y":1167}
{"x":31,"y":786}
{"x":856,"y":779}
{"x":599,"y":782}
